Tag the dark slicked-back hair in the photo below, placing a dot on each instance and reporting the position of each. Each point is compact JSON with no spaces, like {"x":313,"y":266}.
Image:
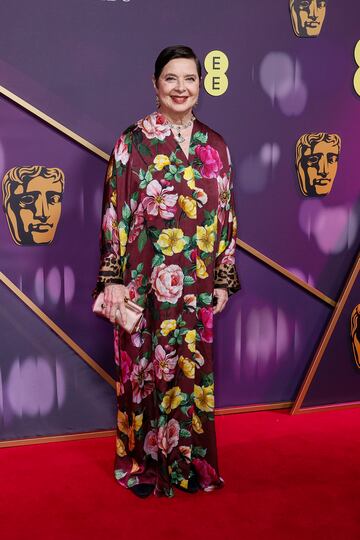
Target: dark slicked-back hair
{"x":170,"y":53}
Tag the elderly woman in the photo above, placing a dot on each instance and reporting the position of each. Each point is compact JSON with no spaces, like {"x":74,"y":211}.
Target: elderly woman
{"x":168,"y":243}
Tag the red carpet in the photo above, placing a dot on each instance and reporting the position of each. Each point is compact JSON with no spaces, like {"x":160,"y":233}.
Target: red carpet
{"x":286,"y":478}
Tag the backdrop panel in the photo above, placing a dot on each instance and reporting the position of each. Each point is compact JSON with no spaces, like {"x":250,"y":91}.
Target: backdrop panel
{"x":45,"y":388}
{"x":89,"y":64}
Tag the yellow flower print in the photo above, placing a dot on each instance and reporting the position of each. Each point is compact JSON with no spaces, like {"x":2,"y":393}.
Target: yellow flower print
{"x":188,"y":367}
{"x":124,"y":427}
{"x":221,"y":248}
{"x":185,"y":451}
{"x":137,"y":421}
{"x":171,"y":241}
{"x":120,"y":447}
{"x":213,"y":226}
{"x":167,"y":326}
{"x":204,"y":397}
{"x":190,"y":338}
{"x":119,"y":388}
{"x":201,"y":268}
{"x":234,"y":232}
{"x":123,"y":422}
{"x":189,"y":176}
{"x":123,"y":240}
{"x":188,"y":173}
{"x":196,"y":424}
{"x":172,"y":399}
{"x":113,"y":198}
{"x":161,"y":161}
{"x":188,"y":204}
{"x":205,"y":238}
{"x":184,"y":483}
{"x":135,"y":466}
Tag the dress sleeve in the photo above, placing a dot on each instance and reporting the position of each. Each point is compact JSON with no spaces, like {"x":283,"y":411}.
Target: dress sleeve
{"x":116,"y":215}
{"x":225,"y":273}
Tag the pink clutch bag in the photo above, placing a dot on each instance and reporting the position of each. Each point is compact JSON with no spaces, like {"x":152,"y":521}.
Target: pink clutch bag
{"x":134,"y":313}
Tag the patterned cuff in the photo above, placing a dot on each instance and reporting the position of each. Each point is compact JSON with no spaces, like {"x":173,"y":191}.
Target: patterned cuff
{"x":226,"y":277}
{"x":110,"y":272}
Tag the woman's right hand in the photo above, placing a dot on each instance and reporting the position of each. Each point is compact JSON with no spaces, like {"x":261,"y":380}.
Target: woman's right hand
{"x":114,"y":300}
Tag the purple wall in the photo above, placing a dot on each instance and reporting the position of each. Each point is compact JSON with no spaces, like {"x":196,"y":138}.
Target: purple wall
{"x":88,"y":65}
{"x":337,"y":378}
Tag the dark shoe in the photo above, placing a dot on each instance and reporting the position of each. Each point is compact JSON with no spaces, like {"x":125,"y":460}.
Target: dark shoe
{"x":143,"y":490}
{"x":193,"y":486}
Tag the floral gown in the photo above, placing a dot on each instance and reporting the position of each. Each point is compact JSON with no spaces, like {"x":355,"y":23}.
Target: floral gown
{"x":168,"y":234}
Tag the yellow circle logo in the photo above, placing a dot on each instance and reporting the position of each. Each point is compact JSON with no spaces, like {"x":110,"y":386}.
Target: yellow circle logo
{"x":216,"y":65}
{"x":357,"y":73}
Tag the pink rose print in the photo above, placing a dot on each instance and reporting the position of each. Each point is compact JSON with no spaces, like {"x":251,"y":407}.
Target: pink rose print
{"x":168,"y":436}
{"x":206,"y":317}
{"x":142,"y":380}
{"x":109,"y":226}
{"x":137,"y":338}
{"x":164,"y":363}
{"x":229,"y":254}
{"x":205,"y":472}
{"x":126,"y":365}
{"x":116,"y":346}
{"x":159,"y":200}
{"x":155,"y":125}
{"x":137,"y":222}
{"x":224,"y":196}
{"x":150,"y":444}
{"x":121,"y":151}
{"x":210,"y":159}
{"x":167,"y":282}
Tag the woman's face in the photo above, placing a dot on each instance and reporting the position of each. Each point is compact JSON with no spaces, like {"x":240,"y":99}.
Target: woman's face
{"x":178,"y":86}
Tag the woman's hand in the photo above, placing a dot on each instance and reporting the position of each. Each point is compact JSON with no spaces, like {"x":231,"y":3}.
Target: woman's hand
{"x":222,"y":298}
{"x":114,"y":300}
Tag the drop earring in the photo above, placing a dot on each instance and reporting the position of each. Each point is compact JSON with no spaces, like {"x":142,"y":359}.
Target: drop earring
{"x":157,"y":101}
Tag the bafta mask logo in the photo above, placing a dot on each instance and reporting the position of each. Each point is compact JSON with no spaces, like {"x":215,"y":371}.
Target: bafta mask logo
{"x":32,"y":203}
{"x":355,"y":333}
{"x":307,"y":16}
{"x":317,"y":156}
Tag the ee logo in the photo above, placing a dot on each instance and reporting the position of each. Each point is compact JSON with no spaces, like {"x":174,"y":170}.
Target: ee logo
{"x":216,"y":65}
{"x":357,"y":73}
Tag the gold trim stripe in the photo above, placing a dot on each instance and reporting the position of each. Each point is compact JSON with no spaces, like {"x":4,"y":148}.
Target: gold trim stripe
{"x":112,"y":432}
{"x":54,"y":123}
{"x":325,"y":340}
{"x":94,"y":149}
{"x":55,"y":328}
{"x":289,"y":275}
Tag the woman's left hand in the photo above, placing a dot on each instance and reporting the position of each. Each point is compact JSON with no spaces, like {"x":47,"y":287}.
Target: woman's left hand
{"x":222,"y":298}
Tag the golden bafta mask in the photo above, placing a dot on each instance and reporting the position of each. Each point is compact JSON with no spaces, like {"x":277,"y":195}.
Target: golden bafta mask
{"x":307,"y":16}
{"x":355,"y":333}
{"x":32,"y":202}
{"x":317,"y":156}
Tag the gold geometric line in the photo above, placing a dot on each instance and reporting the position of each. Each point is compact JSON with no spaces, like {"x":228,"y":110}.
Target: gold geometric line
{"x":289,"y":275}
{"x":112,"y":432}
{"x":55,"y":328}
{"x":54,"y":123}
{"x":332,"y":407}
{"x":94,"y":149}
{"x":253,"y":408}
{"x":56,"y":438}
{"x":326,"y":338}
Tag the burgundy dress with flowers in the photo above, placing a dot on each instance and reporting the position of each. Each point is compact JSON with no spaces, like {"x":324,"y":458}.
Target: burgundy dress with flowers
{"x":168,"y":234}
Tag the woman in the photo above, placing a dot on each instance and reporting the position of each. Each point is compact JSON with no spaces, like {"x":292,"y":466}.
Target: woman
{"x":168,"y":243}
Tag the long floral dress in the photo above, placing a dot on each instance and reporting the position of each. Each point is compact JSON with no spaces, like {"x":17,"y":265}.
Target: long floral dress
{"x":168,"y":234}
